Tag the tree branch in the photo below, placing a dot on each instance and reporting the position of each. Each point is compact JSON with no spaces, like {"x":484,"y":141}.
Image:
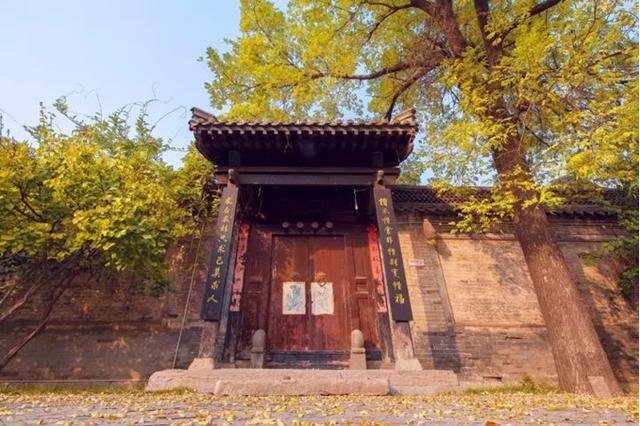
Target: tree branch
{"x":32,"y":271}
{"x":381,"y":72}
{"x":19,"y":303}
{"x":54,"y":296}
{"x":71,"y":262}
{"x":535,"y":10}
{"x":25,"y":201}
{"x":25,"y":214}
{"x":424,"y":5}
{"x":8,"y":291}
{"x":536,"y":136}
{"x":390,"y":12}
{"x":403,"y":88}
{"x":444,"y":17}
{"x":482,"y":13}
{"x":493,"y":51}
{"x":541,"y":7}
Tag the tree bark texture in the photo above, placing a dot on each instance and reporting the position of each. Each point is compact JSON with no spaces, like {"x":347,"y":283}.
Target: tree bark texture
{"x":581,"y":363}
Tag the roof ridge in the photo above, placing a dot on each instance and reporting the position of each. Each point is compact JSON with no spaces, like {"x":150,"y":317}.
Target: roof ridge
{"x":404,"y":119}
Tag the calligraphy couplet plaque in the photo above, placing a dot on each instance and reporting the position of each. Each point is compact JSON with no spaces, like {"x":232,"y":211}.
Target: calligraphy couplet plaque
{"x":220,"y":255}
{"x":391,"y":256}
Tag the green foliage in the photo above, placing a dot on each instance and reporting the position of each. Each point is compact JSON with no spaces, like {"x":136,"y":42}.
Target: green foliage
{"x":411,"y":170}
{"x":99,"y":196}
{"x":589,"y":259}
{"x":194,"y":188}
{"x":535,"y":99}
{"x":626,"y":247}
{"x":560,"y":84}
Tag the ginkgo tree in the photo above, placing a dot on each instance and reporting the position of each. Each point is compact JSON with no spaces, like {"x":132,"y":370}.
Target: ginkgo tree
{"x":96,"y":198}
{"x":516,"y":92}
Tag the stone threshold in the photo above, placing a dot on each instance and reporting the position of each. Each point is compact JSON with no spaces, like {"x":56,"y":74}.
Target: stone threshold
{"x":262,"y":382}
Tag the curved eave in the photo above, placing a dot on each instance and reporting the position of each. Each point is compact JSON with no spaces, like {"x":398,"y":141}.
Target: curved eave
{"x":215,"y":139}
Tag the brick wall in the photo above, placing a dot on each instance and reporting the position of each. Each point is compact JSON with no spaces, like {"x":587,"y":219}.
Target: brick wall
{"x":476,"y":311}
{"x":616,"y":321}
{"x":486,"y":323}
{"x":105,"y":328}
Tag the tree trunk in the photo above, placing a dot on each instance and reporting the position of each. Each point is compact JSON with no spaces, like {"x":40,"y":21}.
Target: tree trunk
{"x":26,"y":297}
{"x":581,"y":362}
{"x":37,"y":276}
{"x":55,"y":294}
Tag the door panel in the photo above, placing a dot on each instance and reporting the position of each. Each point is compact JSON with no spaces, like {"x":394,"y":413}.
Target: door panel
{"x":363,"y":291}
{"x":290,"y":263}
{"x":309,"y":259}
{"x":317,"y":341}
{"x":328,"y":266}
{"x":256,"y":288}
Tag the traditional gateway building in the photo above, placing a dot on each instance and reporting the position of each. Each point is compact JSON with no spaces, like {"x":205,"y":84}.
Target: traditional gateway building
{"x":318,"y":253}
{"x":318,"y":260}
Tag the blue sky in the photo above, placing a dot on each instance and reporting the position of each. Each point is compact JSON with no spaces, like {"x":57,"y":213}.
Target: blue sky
{"x":118,"y":51}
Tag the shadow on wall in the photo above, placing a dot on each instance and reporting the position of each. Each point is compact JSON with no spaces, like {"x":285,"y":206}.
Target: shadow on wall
{"x":488,"y":283}
{"x":615,"y":319}
{"x":498,"y":330}
{"x":436,"y":346}
{"x":108,"y":330}
{"x":114,"y":352}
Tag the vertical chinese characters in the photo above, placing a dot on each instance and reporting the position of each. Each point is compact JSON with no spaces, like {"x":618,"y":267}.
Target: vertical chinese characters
{"x":391,"y":257}
{"x":220,"y":254}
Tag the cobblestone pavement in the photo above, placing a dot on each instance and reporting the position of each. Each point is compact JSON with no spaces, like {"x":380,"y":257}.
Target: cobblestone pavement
{"x":185,"y":408}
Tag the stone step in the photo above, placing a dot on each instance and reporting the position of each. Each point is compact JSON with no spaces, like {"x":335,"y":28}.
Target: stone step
{"x":246,"y":381}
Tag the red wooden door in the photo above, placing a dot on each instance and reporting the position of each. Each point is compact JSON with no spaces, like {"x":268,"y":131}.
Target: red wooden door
{"x":308,"y":304}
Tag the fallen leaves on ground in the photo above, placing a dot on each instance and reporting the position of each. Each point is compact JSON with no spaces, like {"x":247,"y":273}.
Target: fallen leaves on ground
{"x":117,"y":406}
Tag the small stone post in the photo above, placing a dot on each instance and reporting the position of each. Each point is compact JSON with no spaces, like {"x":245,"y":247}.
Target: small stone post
{"x":358,"y":359}
{"x":257,"y":349}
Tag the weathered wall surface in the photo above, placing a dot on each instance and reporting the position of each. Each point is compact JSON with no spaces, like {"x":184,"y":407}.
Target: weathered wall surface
{"x":488,"y":325}
{"x":615,"y":320}
{"x":107,"y":329}
{"x":475,"y":312}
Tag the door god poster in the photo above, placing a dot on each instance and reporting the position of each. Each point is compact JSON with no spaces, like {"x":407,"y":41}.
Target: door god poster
{"x":322,"y":298}
{"x":293,"y":298}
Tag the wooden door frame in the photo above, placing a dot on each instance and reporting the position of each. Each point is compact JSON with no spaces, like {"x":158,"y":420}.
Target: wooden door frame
{"x":345,"y":230}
